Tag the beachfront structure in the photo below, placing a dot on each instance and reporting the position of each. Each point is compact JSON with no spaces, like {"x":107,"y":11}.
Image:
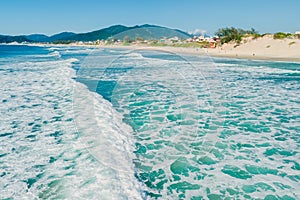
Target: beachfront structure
{"x":211,"y":42}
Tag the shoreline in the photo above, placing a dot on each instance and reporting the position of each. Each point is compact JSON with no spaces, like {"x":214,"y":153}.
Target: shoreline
{"x":205,"y":52}
{"x":265,"y":48}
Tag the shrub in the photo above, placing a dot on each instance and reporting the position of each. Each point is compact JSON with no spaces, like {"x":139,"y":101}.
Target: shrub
{"x":229,"y":34}
{"x":233,"y":34}
{"x":263,"y":35}
{"x":256,"y":35}
{"x":291,"y":43}
{"x":62,"y":42}
{"x":281,"y":35}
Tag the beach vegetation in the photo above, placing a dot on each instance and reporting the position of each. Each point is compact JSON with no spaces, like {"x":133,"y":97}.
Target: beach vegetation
{"x":250,"y":32}
{"x":256,"y":35}
{"x":62,"y":42}
{"x":158,"y":44}
{"x":108,"y":42}
{"x":154,"y":42}
{"x":190,"y":45}
{"x":281,"y":35}
{"x":266,"y":34}
{"x":253,"y":31}
{"x":268,"y":46}
{"x":231,"y":34}
{"x":126,"y":40}
{"x":139,"y":39}
{"x":291,"y":43}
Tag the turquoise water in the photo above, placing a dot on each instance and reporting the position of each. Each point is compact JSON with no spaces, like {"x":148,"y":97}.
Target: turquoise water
{"x":153,"y":125}
{"x":48,"y":137}
{"x":206,"y":128}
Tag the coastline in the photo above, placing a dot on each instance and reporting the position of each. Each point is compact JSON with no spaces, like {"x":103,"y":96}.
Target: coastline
{"x":264,"y":48}
{"x":217,"y":52}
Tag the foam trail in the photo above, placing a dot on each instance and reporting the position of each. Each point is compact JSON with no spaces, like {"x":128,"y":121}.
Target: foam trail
{"x":107,"y":139}
{"x":44,"y":154}
{"x":206,"y":130}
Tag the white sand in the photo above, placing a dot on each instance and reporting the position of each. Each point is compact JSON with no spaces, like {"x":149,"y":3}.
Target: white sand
{"x":263,"y":48}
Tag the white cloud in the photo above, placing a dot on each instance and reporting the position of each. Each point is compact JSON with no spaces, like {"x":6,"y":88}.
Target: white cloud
{"x":197,"y":32}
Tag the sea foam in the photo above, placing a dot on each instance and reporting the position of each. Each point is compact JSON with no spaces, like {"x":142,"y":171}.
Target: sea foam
{"x":59,"y":140}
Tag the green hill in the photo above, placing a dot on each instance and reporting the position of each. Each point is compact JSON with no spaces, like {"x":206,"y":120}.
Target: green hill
{"x":37,"y":37}
{"x":9,"y":39}
{"x":60,"y":36}
{"x":101,"y":34}
{"x":45,"y":38}
{"x":119,"y":32}
{"x":146,"y":32}
{"x":151,"y":32}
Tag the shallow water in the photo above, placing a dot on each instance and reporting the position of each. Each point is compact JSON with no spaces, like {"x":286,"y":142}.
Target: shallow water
{"x":159,"y":125}
{"x":47,"y":135}
{"x":204,"y":127}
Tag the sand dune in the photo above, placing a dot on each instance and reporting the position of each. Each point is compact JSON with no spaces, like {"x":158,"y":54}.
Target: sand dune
{"x":263,"y":48}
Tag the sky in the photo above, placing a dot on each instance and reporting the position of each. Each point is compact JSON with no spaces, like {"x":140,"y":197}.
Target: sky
{"x":49,"y":17}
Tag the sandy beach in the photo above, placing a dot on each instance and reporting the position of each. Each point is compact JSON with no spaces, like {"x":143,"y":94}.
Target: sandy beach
{"x":263,"y":48}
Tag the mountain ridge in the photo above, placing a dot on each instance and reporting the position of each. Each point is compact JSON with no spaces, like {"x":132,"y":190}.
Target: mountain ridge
{"x":10,"y":39}
{"x":119,"y":32}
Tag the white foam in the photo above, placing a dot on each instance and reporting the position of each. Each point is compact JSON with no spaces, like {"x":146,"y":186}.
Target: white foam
{"x":55,"y":53}
{"x":178,"y":84}
{"x":226,"y":65}
{"x":80,"y":51}
{"x":92,"y":157}
{"x":52,"y":54}
{"x":54,"y":48}
{"x":109,"y":141}
{"x":259,"y":69}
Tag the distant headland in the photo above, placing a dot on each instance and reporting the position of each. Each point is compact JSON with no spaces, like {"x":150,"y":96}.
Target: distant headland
{"x":226,"y":42}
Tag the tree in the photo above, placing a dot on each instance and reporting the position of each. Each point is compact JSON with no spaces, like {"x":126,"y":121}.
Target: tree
{"x":281,"y":35}
{"x":233,"y":34}
{"x":230,"y":34}
{"x":253,"y":31}
{"x":139,"y":38}
{"x":126,"y":39}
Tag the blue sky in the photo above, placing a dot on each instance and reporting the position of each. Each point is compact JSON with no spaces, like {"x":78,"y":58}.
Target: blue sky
{"x":53,"y":16}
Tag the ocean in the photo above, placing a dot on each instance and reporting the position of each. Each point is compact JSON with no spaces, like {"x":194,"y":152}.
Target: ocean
{"x":92,"y":123}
